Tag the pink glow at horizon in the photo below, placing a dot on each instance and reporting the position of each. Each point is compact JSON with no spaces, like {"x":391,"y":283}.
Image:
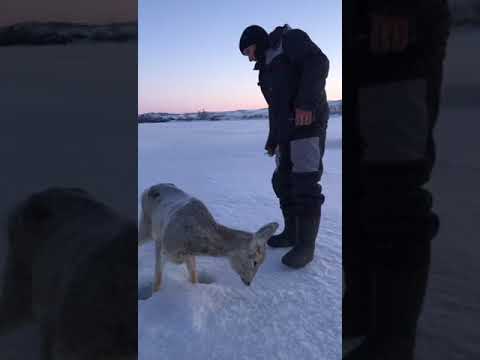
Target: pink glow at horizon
{"x":192,"y":103}
{"x":189,"y":57}
{"x":157,"y":101}
{"x":173,"y":108}
{"x":86,"y":11}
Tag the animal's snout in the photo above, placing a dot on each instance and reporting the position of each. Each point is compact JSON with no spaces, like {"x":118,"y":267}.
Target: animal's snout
{"x":246,"y":282}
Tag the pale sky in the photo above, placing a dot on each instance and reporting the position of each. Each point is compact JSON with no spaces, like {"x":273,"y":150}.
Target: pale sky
{"x":189,"y":57}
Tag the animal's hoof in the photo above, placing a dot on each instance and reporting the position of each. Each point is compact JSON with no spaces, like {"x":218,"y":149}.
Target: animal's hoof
{"x":145,"y":292}
{"x":157,"y":286}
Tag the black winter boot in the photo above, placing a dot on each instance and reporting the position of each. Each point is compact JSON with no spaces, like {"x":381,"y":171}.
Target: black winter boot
{"x":363,"y":351}
{"x":401,"y":279}
{"x":288,"y":237}
{"x":356,"y":303}
{"x":399,"y":298}
{"x":302,"y":252}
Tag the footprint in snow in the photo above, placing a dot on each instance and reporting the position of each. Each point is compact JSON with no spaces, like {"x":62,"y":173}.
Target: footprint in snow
{"x":145,"y":291}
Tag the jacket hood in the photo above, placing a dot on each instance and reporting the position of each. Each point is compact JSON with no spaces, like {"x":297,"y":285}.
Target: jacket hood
{"x":275,"y":36}
{"x":274,"y":41}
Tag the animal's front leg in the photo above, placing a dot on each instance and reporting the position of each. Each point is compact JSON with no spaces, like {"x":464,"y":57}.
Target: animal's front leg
{"x":192,"y":268}
{"x":159,"y":261}
{"x":46,"y":343}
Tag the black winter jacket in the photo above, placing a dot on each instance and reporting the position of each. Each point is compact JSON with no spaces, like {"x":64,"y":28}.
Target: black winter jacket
{"x":292,"y":76}
{"x":429,"y":27}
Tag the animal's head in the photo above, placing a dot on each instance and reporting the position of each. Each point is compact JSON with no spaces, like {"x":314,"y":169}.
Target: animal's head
{"x":154,"y":194}
{"x":247,"y":260}
{"x":149,"y":199}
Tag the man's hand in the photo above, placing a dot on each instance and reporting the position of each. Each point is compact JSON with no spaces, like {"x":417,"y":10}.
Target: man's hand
{"x":271,"y":151}
{"x":388,"y":33}
{"x":303,"y":118}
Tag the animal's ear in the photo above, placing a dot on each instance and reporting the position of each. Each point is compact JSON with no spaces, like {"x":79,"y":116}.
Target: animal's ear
{"x":79,"y":191}
{"x":153,"y":193}
{"x":265,"y":232}
{"x":36,"y":209}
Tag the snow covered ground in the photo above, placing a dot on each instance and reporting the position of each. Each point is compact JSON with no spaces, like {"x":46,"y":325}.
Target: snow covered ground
{"x":284,"y":314}
{"x":448,"y":328}
{"x":52,"y":99}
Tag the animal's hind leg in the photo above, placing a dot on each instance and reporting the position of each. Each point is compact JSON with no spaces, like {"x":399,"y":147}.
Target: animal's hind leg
{"x":46,"y":344}
{"x":192,"y":268}
{"x":16,"y":294}
{"x":159,"y":261}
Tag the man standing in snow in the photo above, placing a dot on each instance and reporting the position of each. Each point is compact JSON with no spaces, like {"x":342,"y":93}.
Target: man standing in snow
{"x":292,"y":75}
{"x":396,"y":68}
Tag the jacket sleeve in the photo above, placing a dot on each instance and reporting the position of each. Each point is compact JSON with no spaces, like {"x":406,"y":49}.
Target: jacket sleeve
{"x":394,"y":7}
{"x":271,"y":140}
{"x":435,"y":13}
{"x":314,"y":66}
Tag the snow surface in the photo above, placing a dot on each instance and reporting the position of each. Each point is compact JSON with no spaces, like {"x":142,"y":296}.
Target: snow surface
{"x":465,"y":11}
{"x":37,"y":96}
{"x":284,"y":314}
{"x":449,"y":326}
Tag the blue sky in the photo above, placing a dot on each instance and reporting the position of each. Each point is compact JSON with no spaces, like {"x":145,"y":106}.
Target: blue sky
{"x":189,"y":57}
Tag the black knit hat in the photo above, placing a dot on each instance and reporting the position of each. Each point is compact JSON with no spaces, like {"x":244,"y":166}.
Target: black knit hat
{"x":254,"y":34}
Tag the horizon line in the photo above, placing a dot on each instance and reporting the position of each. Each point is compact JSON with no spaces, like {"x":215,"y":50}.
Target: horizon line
{"x":193,"y":112}
{"x":77,"y":23}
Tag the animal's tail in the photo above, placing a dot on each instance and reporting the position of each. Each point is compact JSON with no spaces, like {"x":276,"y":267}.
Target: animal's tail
{"x":16,"y":294}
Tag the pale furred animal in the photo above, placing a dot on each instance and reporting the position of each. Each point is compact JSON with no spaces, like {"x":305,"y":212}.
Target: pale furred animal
{"x":70,"y":268}
{"x":182,"y":227}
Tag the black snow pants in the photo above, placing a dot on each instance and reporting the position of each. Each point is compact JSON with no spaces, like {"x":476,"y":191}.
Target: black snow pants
{"x":387,"y":242}
{"x":298,"y":173}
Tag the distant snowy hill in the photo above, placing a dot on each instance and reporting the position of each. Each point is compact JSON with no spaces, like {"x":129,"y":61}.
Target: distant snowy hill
{"x":52,"y":33}
{"x":465,"y":12}
{"x":335,"y":108}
